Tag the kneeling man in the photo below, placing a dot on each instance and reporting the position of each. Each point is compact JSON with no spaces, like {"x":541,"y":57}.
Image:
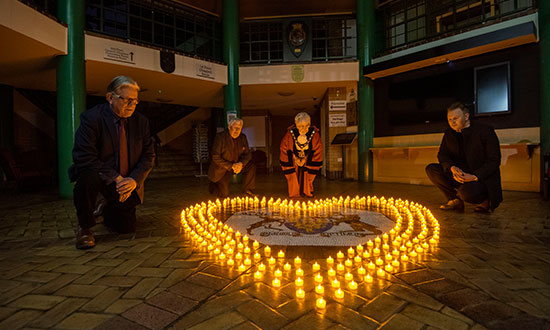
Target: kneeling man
{"x":469,"y":160}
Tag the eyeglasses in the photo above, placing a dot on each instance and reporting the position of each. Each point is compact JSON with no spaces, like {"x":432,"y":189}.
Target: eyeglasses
{"x":127,"y":100}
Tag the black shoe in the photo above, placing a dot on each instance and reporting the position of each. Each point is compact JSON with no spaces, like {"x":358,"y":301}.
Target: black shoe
{"x":250,"y":193}
{"x":483,"y":207}
{"x":453,"y":205}
{"x":84,"y":238}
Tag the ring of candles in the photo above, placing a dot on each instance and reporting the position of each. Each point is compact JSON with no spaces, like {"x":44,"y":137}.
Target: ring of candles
{"x":415,"y":233}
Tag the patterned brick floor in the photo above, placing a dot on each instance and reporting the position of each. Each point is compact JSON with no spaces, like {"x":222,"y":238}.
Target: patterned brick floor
{"x":490,"y":271}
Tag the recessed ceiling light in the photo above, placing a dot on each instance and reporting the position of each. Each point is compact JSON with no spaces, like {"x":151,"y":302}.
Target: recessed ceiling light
{"x":287,"y":93}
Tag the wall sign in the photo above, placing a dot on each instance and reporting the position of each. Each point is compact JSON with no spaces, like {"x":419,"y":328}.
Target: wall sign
{"x":119,"y":54}
{"x":337,"y":105}
{"x":205,"y":70}
{"x":337,"y":120}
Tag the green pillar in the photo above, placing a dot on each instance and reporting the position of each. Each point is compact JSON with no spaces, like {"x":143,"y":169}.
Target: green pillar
{"x":231,"y":56}
{"x":71,"y":88}
{"x":365,"y":88}
{"x":544,"y":26}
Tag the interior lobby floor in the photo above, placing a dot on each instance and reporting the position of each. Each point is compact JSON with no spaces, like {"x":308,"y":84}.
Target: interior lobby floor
{"x":489,"y":270}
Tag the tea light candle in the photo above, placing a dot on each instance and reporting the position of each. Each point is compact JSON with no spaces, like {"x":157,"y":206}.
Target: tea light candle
{"x":370,"y":244}
{"x":221,"y":256}
{"x":361,"y":271}
{"x":404,"y":258}
{"x":395,"y":263}
{"x":255,"y":245}
{"x":389,"y":268}
{"x":348,"y":263}
{"x":338,"y":293}
{"x":276,"y":282}
{"x":247,"y":262}
{"x":335,"y":283}
{"x":379,"y":262}
{"x":357,"y":259}
{"x":257,"y":256}
{"x":261,"y":267}
{"x":299,"y":272}
{"x":300,"y":294}
{"x":319,"y":278}
{"x":267,"y":251}
{"x":348,"y":276}
{"x":331,"y":272}
{"x":330,"y":261}
{"x":352,"y":285}
{"x":287,"y":267}
{"x":371,"y":266}
{"x":316,"y":267}
{"x":340,"y":267}
{"x":359,"y":249}
{"x":278,"y":273}
{"x":321,"y":303}
{"x":246,"y":250}
{"x":351,"y":252}
{"x":258,"y":275}
{"x":380,"y":272}
{"x":376,"y":252}
{"x":368,"y":279}
{"x":242,"y":268}
{"x":319,"y":289}
{"x":366,"y":254}
{"x":240,"y":246}
{"x":230,"y":262}
{"x":413,"y":254}
{"x":340,"y":255}
{"x":272,"y":261}
{"x":281,"y":254}
{"x":297,"y":261}
{"x":299,"y":281}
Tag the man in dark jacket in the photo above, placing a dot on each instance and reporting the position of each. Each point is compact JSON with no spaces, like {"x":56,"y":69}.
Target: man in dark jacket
{"x":112,"y":155}
{"x":469,"y":160}
{"x":231,"y":155}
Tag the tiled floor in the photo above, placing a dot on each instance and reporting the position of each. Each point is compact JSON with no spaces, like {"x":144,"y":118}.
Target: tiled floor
{"x":490,"y":270}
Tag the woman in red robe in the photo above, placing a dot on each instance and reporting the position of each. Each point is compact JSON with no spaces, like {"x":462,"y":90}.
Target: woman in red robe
{"x":301,"y":156}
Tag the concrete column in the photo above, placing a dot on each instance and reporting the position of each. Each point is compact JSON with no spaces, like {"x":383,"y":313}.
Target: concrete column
{"x":231,"y":57}
{"x":71,"y":88}
{"x":365,"y":89}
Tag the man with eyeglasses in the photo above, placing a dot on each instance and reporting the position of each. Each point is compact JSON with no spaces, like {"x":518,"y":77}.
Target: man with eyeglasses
{"x":301,"y":156}
{"x":112,"y":155}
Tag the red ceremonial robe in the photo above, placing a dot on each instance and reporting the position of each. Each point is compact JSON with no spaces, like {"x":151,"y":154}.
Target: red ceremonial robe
{"x":301,"y":160}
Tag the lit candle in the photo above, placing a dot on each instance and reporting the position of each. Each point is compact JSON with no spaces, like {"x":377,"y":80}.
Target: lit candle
{"x":242,"y":268}
{"x":257,"y":275}
{"x":379,"y":262}
{"x":319,"y":289}
{"x":340,"y":255}
{"x":287,"y":267}
{"x":357,"y":259}
{"x":368,"y":278}
{"x":335,"y":283}
{"x":389,"y":268}
{"x":257,"y":256}
{"x":316,"y":267}
{"x":238,"y":256}
{"x":331,"y":272}
{"x":395,"y":263}
{"x":352,"y":285}
{"x":278,"y":273}
{"x":319,"y":278}
{"x":299,"y":272}
{"x":359,"y":249}
{"x":267,"y":251}
{"x":321,"y":303}
{"x":240,"y":246}
{"x":348,"y":263}
{"x":371,"y":266}
{"x":404,"y":258}
{"x":376,"y":252}
{"x":340,"y":267}
{"x":261,"y":267}
{"x":300,"y":294}
{"x":348,"y":276}
{"x":351,"y":252}
{"x":380,"y":272}
{"x":413,"y":254}
{"x":230,"y":262}
{"x":246,"y":250}
{"x":222,"y":256}
{"x":361,"y":271}
{"x":247,"y":262}
{"x":366,"y":254}
{"x":281,"y":254}
{"x":297,"y":261}
{"x":330,"y":261}
{"x":276,"y":282}
{"x":272,"y":261}
{"x":338,"y":293}
{"x":256,"y":245}
{"x":299,"y":281}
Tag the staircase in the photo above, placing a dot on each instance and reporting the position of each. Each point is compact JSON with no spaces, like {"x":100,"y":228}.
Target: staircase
{"x":175,"y":163}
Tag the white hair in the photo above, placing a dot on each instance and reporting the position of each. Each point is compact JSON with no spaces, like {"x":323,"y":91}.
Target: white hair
{"x":302,"y":117}
{"x":235,"y":121}
{"x":120,"y":82}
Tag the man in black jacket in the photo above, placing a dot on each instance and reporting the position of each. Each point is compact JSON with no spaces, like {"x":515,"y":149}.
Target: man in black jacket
{"x":112,"y":155}
{"x":469,"y":160}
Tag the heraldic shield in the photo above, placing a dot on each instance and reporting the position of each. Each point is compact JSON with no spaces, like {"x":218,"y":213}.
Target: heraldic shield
{"x":167,"y":62}
{"x":297,"y":37}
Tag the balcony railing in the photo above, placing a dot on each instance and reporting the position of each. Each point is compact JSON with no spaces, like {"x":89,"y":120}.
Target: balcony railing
{"x":332,"y":38}
{"x":414,"y":21}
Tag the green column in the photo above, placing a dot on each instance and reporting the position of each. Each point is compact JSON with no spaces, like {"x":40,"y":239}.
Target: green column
{"x":231,"y":56}
{"x":71,"y":88}
{"x":365,"y":88}
{"x":544,"y":26}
